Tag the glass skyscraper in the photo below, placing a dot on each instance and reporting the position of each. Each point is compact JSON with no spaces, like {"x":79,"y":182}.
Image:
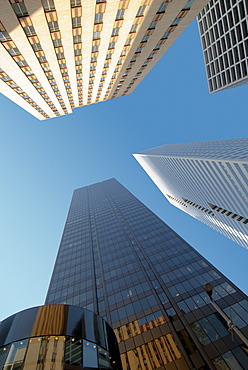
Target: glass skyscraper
{"x":119,"y":259}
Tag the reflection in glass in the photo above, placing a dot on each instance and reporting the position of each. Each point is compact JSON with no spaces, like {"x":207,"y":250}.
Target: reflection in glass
{"x":139,"y":326}
{"x":16,"y":355}
{"x":152,"y":355}
{"x":89,"y":354}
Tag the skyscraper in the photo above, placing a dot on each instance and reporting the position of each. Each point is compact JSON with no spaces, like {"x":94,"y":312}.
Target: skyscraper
{"x":224,"y":36}
{"x":120,"y":260}
{"x":57,"y":55}
{"x":208,"y":180}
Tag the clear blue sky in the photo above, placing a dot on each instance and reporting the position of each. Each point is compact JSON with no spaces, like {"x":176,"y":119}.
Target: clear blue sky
{"x":42,"y":162}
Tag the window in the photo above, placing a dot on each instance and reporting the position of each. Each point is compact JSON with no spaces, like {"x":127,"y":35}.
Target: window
{"x":228,"y":360}
{"x":175,"y":22}
{"x":73,"y":351}
{"x":22,"y":63}
{"x":42,"y":59}
{"x":111,"y":45}
{"x":78,"y":52}
{"x":133,"y":28}
{"x":98,"y":18}
{"x":229,"y":213}
{"x":57,"y":43}
{"x":53,"y":26}
{"x":4,"y":36}
{"x":95,"y":48}
{"x":145,"y":38}
{"x":20,"y":9}
{"x":162,"y":8}
{"x":141,"y":11}
{"x":29,"y":30}
{"x":6,"y":78}
{"x":76,"y":22}
{"x":120,"y":14}
{"x":60,"y":55}
{"x":36,"y":47}
{"x":128,"y":42}
{"x":75,"y":3}
{"x":189,"y":4}
{"x":14,"y":51}
{"x":96,"y":35}
{"x":238,"y":313}
{"x":115,"y":31}
{"x":165,"y":36}
{"x":152,"y":25}
{"x":48,"y":5}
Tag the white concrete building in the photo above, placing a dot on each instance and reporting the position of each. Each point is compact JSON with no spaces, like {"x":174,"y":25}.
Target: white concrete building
{"x":56,"y":55}
{"x":223,"y":29}
{"x":208,"y":180}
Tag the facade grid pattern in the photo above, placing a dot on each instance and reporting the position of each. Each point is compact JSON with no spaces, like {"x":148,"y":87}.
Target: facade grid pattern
{"x":223,"y":28}
{"x":120,"y":260}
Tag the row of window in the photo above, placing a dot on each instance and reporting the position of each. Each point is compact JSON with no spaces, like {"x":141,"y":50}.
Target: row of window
{"x":134,"y":27}
{"x":183,"y":272}
{"x":232,"y":76}
{"x":151,"y":27}
{"x":77,"y":40}
{"x":229,"y":214}
{"x":128,"y":293}
{"x":214,"y":327}
{"x":235,"y":359}
{"x":152,"y":355}
{"x":21,"y":62}
{"x":228,"y":19}
{"x":8,"y":80}
{"x":226,"y":53}
{"x":139,"y":326}
{"x":133,"y":308}
{"x":201,"y":299}
{"x":48,"y":350}
{"x":195,"y":282}
{"x":35,"y":44}
{"x":156,"y":257}
{"x":30,"y":32}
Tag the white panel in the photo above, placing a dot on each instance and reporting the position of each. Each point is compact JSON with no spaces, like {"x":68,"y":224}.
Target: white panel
{"x":195,"y":171}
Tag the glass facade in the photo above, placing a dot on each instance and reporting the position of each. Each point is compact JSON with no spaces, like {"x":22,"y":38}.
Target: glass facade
{"x":118,"y":259}
{"x":57,"y":337}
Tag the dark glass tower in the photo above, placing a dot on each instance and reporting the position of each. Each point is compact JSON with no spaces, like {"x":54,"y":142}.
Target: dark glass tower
{"x":120,"y":260}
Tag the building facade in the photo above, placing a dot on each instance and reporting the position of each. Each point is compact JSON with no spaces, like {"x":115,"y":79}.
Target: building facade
{"x":57,"y":337}
{"x":223,"y":29}
{"x":57,"y":55}
{"x":208,"y":180}
{"x":120,"y":260}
